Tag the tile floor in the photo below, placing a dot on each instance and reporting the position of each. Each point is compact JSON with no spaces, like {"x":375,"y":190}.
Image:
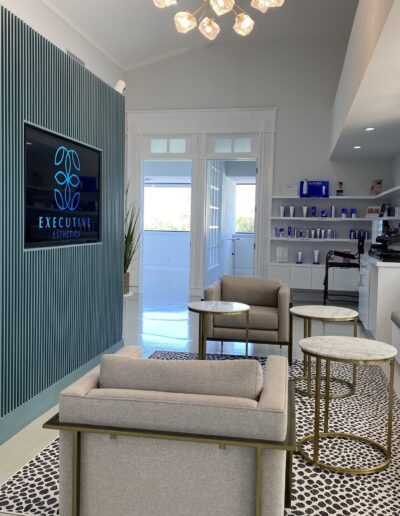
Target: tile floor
{"x":155,"y":321}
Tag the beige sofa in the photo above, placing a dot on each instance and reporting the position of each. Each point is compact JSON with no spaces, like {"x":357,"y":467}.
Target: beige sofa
{"x":149,"y":475}
{"x":269,"y":301}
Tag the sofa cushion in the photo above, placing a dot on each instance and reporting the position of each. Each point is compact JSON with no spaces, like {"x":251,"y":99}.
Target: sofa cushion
{"x":239,"y":378}
{"x":261,"y":318}
{"x":252,"y":291}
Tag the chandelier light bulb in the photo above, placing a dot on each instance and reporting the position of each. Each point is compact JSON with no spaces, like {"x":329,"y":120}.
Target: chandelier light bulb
{"x":261,"y":5}
{"x":209,"y":28}
{"x":222,"y":6}
{"x":243,"y":24}
{"x":164,"y":3}
{"x":184,"y":22}
{"x":275,"y":3}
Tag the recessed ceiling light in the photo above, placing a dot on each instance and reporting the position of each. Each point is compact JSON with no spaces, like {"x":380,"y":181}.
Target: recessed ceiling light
{"x":369,"y":129}
{"x":357,"y":147}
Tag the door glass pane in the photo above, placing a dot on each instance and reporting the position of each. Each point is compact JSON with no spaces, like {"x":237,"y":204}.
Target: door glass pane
{"x":159,"y":146}
{"x":245,"y":204}
{"x":167,"y":207}
{"x":177,"y":146}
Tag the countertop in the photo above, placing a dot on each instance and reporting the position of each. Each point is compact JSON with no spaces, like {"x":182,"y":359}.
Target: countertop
{"x":378,"y":263}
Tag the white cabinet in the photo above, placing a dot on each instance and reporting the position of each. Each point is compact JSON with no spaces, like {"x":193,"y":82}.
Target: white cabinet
{"x":379,"y":296}
{"x":345,"y":279}
{"x":300,"y":277}
{"x":280,"y":272}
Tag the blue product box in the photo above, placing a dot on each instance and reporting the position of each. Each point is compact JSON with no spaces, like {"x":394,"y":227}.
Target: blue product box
{"x":315,"y":189}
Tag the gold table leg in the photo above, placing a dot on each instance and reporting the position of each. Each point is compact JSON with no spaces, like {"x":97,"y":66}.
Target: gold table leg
{"x":317,"y":435}
{"x":202,"y":337}
{"x":258,"y":480}
{"x":247,"y":332}
{"x":76,"y":481}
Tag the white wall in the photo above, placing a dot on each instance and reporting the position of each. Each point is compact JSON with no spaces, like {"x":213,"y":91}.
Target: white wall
{"x":166,"y":250}
{"x":368,"y":24}
{"x":299,"y":78}
{"x":45,"y":21}
{"x":396,"y":170}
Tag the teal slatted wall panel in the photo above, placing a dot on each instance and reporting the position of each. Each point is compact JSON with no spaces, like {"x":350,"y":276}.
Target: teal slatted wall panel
{"x":60,"y":307}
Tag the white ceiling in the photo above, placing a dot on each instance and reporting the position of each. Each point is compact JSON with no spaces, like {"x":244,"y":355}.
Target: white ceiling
{"x":377,"y":102}
{"x":134,"y":33}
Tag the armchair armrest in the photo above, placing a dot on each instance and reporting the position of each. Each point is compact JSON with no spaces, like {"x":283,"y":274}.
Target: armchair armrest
{"x":283,"y":313}
{"x":212,"y":293}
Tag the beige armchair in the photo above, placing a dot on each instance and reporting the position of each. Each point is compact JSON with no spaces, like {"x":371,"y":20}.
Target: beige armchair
{"x":161,"y":438}
{"x":269,"y":321}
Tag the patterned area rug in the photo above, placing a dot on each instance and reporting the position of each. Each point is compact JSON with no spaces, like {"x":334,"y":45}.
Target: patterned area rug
{"x":34,"y":489}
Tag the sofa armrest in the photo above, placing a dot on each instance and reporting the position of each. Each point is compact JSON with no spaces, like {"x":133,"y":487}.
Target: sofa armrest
{"x":212,"y":293}
{"x":283,"y":313}
{"x":83,"y":386}
{"x":274,"y":395}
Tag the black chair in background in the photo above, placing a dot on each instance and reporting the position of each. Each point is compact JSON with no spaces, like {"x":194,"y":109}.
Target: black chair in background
{"x":352,"y":262}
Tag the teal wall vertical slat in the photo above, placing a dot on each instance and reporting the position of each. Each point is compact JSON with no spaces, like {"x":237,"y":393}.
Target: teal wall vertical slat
{"x":60,"y":307}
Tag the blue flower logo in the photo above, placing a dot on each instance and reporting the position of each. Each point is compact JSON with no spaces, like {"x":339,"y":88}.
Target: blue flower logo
{"x":67,"y":199}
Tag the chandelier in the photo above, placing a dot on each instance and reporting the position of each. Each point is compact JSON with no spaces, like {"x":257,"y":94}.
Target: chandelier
{"x":204,"y":16}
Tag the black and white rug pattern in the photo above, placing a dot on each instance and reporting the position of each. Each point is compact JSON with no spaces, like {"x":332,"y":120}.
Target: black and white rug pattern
{"x":34,"y":489}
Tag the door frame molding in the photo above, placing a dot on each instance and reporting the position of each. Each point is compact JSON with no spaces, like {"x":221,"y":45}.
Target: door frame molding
{"x":199,"y":126}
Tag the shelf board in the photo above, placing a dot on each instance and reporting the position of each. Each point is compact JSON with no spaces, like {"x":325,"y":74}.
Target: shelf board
{"x":332,"y":198}
{"x":317,"y":240}
{"x":321,"y":266}
{"x":324,"y":219}
{"x":386,"y":194}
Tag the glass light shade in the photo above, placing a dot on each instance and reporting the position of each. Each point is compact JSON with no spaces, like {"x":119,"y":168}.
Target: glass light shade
{"x":184,"y":22}
{"x":209,"y":28}
{"x":261,"y":5}
{"x":164,"y":3}
{"x":222,"y":6}
{"x":243,"y":24}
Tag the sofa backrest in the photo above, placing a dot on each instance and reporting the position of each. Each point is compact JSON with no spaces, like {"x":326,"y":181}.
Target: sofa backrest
{"x":252,"y":291}
{"x":237,"y":378}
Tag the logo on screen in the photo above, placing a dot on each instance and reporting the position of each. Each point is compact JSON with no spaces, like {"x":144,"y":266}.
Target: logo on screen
{"x":67,"y":162}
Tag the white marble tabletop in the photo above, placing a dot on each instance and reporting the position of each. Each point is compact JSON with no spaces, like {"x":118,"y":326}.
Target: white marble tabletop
{"x":347,"y":348}
{"x":218,"y":307}
{"x":324,"y":312}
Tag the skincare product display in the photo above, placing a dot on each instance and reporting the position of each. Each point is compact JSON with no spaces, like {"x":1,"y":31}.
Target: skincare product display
{"x":316,"y":257}
{"x":313,"y":233}
{"x":312,"y":211}
{"x":314,"y":188}
{"x":282,"y":254}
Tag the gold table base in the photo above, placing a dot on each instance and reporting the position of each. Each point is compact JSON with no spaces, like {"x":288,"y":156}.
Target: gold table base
{"x":340,"y":469}
{"x":307,"y":360}
{"x":317,"y":435}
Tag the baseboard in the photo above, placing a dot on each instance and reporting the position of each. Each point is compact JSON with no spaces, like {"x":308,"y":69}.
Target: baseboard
{"x":32,"y":409}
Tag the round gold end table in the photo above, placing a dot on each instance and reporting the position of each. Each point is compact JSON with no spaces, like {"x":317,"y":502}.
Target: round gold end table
{"x":204,"y":308}
{"x":325,"y":314}
{"x":348,"y":350}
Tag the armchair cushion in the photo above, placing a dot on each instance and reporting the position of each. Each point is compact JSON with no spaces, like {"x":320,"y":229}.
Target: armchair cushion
{"x":252,"y":291}
{"x":240,"y":379}
{"x":261,"y":318}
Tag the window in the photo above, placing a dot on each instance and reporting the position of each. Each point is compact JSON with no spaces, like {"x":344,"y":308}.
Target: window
{"x":235,"y":145}
{"x":245,"y":207}
{"x":168,"y":146}
{"x":167,"y":207}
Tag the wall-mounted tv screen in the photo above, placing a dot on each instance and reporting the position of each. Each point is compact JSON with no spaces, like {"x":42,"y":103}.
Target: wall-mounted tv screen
{"x":62,"y":190}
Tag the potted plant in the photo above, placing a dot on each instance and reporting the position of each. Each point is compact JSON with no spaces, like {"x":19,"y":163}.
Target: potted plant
{"x":132,"y":238}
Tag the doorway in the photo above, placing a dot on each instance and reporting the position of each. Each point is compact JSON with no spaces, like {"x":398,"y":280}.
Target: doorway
{"x":231,"y":194}
{"x":166,"y":231}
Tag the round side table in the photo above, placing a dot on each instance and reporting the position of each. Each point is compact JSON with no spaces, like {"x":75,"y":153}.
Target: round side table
{"x":325,"y":314}
{"x":204,"y":308}
{"x":348,"y":350}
